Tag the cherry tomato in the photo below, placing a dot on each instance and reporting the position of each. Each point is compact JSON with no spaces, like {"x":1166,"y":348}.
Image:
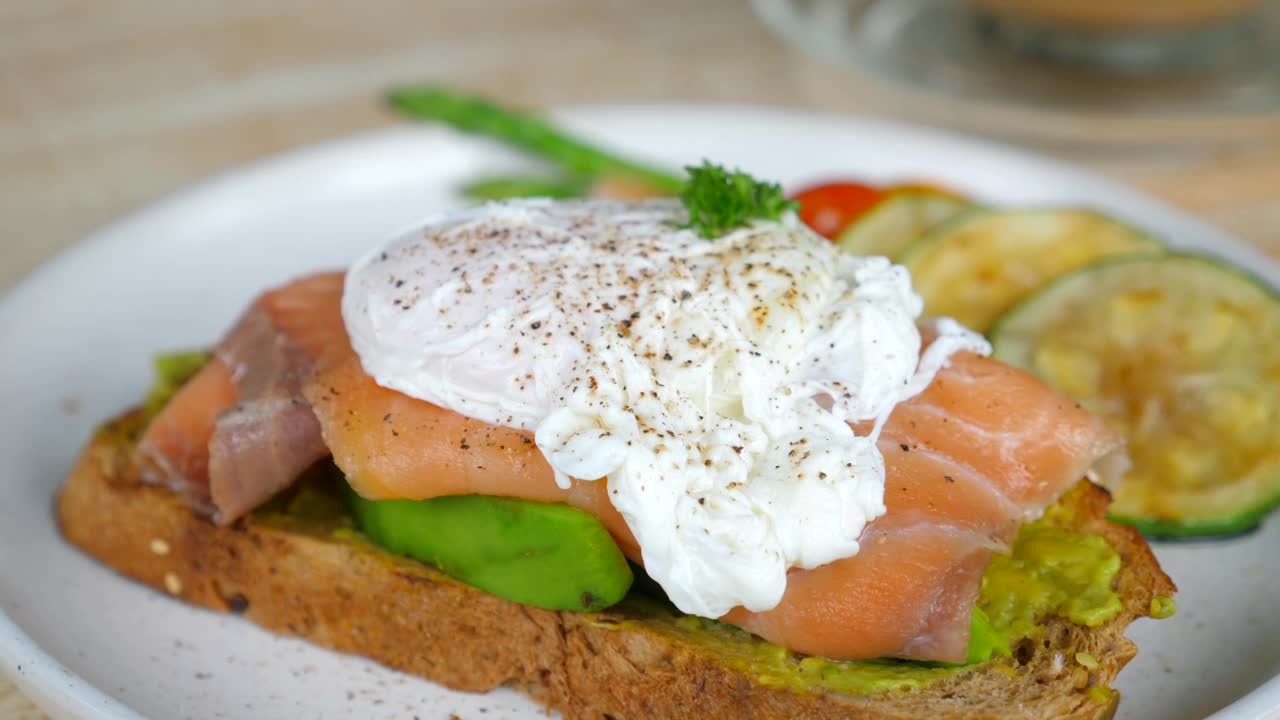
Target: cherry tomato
{"x":830,"y":208}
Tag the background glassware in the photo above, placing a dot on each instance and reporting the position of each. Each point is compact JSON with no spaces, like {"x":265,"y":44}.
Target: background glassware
{"x":1196,"y":67}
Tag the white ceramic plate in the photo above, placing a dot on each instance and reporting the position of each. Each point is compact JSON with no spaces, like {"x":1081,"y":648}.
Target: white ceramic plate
{"x":75,"y":338}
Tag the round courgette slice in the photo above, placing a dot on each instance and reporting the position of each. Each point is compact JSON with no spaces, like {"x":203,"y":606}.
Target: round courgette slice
{"x":901,"y":218}
{"x":1182,"y":354}
{"x":980,"y":264}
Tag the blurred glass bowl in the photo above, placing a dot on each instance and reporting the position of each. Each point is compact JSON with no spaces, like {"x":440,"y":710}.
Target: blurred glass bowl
{"x":1091,"y":70}
{"x":1124,"y":16}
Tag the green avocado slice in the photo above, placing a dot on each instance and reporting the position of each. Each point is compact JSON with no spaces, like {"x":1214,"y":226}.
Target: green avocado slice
{"x":548,"y":555}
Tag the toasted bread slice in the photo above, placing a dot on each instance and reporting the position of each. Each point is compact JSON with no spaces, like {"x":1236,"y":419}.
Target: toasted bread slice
{"x":341,"y":593}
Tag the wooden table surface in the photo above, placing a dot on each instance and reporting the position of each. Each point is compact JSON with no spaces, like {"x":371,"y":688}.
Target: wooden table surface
{"x":105,"y":106}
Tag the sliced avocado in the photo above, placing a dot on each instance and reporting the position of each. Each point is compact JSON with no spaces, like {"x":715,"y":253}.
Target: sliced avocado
{"x":542,"y":554}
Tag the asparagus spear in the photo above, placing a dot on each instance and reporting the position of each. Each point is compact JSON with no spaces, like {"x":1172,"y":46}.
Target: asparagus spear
{"x":518,"y":186}
{"x":527,"y":132}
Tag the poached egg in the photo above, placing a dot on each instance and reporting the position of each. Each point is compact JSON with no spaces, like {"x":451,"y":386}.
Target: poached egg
{"x":729,"y":391}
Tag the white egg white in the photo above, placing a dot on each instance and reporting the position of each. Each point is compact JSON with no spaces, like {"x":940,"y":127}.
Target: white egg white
{"x":711,"y":383}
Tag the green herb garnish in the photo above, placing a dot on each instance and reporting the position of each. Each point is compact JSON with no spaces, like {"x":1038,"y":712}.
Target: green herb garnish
{"x":719,"y":200}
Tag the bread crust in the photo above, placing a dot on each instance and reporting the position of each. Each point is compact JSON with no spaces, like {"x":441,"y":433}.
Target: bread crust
{"x":352,"y":597}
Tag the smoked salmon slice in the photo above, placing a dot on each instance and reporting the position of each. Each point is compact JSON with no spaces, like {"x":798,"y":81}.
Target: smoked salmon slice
{"x":393,"y":446}
{"x":983,"y":449}
{"x":240,"y":430}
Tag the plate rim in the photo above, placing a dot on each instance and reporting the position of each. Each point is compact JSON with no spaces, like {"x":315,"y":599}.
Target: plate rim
{"x":58,"y":691}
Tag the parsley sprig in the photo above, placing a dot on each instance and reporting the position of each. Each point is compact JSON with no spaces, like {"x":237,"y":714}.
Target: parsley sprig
{"x":719,"y":200}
